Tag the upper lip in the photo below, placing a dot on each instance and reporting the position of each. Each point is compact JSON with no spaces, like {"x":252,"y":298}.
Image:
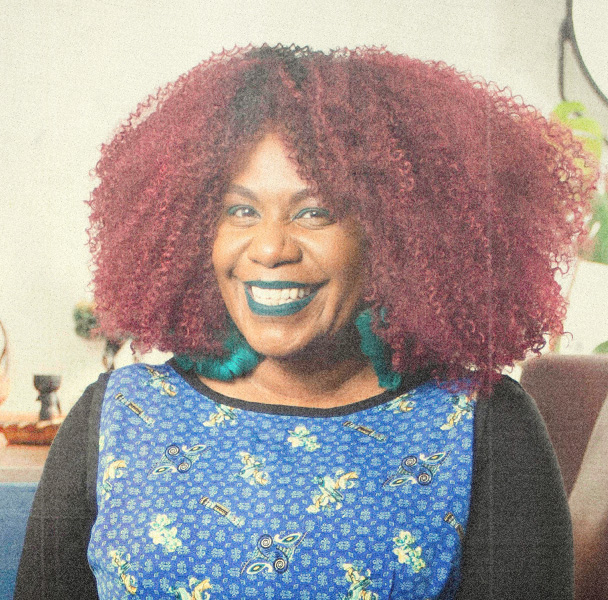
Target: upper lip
{"x":279,"y":285}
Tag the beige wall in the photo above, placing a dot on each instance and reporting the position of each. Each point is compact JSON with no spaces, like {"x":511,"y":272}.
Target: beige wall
{"x":72,"y":70}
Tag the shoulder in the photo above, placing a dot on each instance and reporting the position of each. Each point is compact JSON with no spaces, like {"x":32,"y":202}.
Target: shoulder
{"x":509,"y":409}
{"x":139,"y":373}
{"x":519,"y":515}
{"x":133,"y":378}
{"x":507,"y":394}
{"x":82,"y":415}
{"x":64,"y":509}
{"x":72,"y":460}
{"x":134,"y":370}
{"x":509,"y":429}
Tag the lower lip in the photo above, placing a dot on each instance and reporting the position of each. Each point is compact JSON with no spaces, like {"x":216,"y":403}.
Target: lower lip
{"x":280,"y":310}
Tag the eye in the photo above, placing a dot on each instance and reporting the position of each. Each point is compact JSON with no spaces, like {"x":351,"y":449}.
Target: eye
{"x":314,"y":216}
{"x":241,"y":211}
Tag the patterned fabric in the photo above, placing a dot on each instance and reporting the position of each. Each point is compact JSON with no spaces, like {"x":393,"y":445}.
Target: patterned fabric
{"x":201,"y":500}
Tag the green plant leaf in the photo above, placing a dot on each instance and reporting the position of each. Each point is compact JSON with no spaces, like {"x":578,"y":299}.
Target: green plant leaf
{"x":586,"y":129}
{"x":600,"y":219}
{"x":602,"y":348}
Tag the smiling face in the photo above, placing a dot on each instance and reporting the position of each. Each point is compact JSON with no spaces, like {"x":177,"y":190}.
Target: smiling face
{"x":290,"y":274}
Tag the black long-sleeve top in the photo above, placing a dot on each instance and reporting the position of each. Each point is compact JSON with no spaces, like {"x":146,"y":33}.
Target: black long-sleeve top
{"x":518,"y":542}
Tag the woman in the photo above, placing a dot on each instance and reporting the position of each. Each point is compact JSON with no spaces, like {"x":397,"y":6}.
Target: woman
{"x":343,"y":250}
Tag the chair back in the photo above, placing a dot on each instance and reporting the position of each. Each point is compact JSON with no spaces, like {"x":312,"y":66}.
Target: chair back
{"x":569,"y":391}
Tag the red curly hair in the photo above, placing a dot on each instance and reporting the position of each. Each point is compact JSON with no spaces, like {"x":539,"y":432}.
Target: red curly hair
{"x":470,"y":200}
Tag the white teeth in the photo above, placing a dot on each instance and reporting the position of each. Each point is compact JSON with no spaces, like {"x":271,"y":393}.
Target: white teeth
{"x":279,"y":296}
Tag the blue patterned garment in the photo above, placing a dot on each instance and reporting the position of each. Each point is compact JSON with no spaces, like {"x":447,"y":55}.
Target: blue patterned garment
{"x":201,"y":498}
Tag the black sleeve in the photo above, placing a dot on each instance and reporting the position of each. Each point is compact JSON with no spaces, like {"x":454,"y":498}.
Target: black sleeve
{"x":54,"y":559}
{"x":518,"y":543}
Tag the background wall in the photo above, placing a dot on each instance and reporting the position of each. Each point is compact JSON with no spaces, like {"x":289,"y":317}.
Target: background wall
{"x":73,"y":70}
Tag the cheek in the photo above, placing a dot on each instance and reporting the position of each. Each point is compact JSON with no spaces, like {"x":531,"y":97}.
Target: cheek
{"x":350,"y":259}
{"x":348,"y":268}
{"x":224,"y":253}
{"x":217,"y":257}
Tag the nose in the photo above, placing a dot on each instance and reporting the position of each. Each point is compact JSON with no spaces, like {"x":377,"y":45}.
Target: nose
{"x":273,"y":245}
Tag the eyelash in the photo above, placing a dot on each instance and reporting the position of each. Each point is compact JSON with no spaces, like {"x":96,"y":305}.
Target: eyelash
{"x":234,"y":209}
{"x":321,"y":213}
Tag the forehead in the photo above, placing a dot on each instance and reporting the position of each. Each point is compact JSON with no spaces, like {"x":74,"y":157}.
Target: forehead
{"x":269,"y":166}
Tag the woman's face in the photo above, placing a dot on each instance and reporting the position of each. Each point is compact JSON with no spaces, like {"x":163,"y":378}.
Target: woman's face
{"x":289,"y":273}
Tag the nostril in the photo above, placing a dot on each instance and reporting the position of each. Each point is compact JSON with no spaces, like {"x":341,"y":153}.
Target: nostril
{"x":273,"y":247}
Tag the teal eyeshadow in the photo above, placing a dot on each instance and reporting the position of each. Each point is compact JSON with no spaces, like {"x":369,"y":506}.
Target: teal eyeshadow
{"x":233,"y":209}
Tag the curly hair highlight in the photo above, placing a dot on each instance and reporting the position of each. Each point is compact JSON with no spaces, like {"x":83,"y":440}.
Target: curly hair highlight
{"x":470,"y":200}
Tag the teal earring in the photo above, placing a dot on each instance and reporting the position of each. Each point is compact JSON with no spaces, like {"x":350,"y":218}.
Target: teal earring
{"x":378,"y":351}
{"x":241,"y":359}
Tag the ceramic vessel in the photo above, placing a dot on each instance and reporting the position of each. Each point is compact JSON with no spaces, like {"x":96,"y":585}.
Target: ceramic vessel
{"x":47,"y":385}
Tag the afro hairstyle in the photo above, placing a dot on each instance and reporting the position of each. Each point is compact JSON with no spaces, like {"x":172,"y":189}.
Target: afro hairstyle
{"x":470,"y":200}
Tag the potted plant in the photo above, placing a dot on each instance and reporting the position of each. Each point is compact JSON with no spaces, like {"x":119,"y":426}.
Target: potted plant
{"x":87,"y":327}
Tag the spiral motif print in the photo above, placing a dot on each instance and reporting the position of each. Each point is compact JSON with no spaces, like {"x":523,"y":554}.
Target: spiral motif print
{"x":200,"y":497}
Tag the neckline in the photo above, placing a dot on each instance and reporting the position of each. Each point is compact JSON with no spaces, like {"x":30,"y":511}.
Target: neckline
{"x":409,"y":381}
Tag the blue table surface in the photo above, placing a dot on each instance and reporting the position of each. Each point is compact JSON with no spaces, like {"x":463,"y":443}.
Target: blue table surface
{"x":15,"y":503}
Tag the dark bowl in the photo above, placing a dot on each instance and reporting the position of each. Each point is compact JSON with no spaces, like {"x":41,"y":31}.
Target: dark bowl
{"x":46,"y":384}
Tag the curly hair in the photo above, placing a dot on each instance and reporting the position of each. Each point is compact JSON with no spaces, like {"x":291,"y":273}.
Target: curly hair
{"x":470,"y":200}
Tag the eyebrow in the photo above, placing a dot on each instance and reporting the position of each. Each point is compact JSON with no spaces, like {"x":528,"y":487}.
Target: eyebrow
{"x":241,"y":191}
{"x":235,"y":188}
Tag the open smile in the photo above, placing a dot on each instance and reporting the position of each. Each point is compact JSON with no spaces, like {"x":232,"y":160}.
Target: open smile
{"x":278,"y":298}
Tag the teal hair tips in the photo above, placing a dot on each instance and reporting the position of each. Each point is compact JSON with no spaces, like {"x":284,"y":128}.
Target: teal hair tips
{"x":241,"y":359}
{"x":377,"y":350}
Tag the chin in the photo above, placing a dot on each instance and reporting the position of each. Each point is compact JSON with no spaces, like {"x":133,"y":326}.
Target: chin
{"x":287,"y":346}
{"x":277,"y":347}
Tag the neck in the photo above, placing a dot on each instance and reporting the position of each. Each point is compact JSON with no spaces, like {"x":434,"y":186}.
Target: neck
{"x":322,"y":376}
{"x":324,"y":384}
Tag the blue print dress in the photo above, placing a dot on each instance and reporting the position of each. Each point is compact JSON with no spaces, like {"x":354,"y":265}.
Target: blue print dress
{"x":204,"y":497}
